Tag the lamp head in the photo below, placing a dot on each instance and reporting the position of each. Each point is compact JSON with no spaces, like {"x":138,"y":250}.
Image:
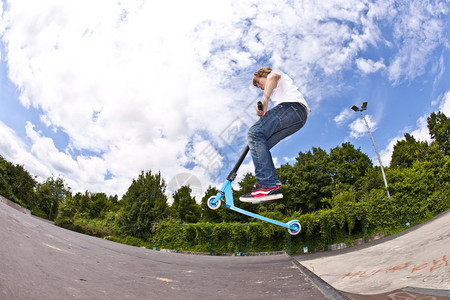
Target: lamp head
{"x":355,"y":108}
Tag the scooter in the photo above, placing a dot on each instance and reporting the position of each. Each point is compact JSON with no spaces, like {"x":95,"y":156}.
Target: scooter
{"x":226,"y":194}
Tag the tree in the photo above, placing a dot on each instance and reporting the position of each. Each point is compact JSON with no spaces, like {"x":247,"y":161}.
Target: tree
{"x":143,"y":204}
{"x":439,"y":128}
{"x":411,"y":187}
{"x":17,"y":184}
{"x":372,"y":180}
{"x":307,"y":182}
{"x":407,"y":151}
{"x":5,"y":188}
{"x":84,"y":203}
{"x":99,"y":205}
{"x":184,"y":206}
{"x":49,"y":195}
{"x":348,"y":167}
{"x":69,"y":207}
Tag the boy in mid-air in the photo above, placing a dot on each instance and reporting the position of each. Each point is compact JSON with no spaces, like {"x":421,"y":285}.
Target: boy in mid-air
{"x":288,"y":115}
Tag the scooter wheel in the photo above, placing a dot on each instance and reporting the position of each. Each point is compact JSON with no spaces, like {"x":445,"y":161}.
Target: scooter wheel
{"x":213,"y":203}
{"x":294,"y":228}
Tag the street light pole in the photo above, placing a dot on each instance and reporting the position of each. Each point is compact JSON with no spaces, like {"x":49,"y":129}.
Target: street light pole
{"x":360,"y":109}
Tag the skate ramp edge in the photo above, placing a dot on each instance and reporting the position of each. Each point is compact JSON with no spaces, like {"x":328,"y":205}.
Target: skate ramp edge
{"x":407,"y":293}
{"x":14,"y":205}
{"x":326,"y":289}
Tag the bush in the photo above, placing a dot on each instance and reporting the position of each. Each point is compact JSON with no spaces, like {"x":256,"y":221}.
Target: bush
{"x":375,"y":213}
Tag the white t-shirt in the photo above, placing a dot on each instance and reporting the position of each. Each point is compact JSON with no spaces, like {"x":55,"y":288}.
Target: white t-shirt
{"x":286,"y":91}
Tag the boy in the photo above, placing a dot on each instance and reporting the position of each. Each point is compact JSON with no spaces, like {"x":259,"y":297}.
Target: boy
{"x":288,"y":115}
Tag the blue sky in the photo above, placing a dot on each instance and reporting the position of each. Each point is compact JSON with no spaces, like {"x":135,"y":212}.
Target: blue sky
{"x":97,"y":95}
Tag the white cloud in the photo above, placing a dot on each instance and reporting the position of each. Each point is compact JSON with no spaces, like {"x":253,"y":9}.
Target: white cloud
{"x":444,"y":107}
{"x":43,"y":148}
{"x":417,"y":32}
{"x":421,"y":132}
{"x":343,"y":117}
{"x":16,"y":151}
{"x":138,"y":85}
{"x":368,"y":66}
{"x":386,"y":154}
{"x":114,"y":83}
{"x":358,"y":127}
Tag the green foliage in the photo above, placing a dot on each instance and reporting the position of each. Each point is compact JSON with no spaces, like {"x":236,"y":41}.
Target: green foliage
{"x":347,"y":217}
{"x":130,"y":240}
{"x":407,"y":151}
{"x":442,"y":172}
{"x":218,"y":238}
{"x":308,"y":181}
{"x":84,"y":207}
{"x":143,"y":204}
{"x":439,"y":128}
{"x":166,"y":233}
{"x":184,"y":206}
{"x":348,"y":166}
{"x":16,"y":184}
{"x":49,"y":195}
{"x":379,"y":210}
{"x":5,"y":187}
{"x":412,"y":187}
{"x":438,"y":202}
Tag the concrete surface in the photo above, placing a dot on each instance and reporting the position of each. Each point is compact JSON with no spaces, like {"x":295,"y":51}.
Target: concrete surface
{"x":41,"y":261}
{"x":14,"y":205}
{"x":418,"y":257}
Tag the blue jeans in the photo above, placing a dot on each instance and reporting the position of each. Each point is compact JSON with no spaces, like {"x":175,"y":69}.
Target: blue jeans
{"x":278,"y":123}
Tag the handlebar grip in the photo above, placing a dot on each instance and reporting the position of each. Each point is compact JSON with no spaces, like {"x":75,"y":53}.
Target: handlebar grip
{"x":260,"y":106}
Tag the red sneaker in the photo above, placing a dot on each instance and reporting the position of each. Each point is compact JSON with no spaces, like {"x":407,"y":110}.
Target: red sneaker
{"x":260,"y":194}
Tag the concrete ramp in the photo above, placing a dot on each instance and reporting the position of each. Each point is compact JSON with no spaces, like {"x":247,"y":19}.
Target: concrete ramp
{"x":417,"y":258}
{"x":41,"y":261}
{"x":404,"y":294}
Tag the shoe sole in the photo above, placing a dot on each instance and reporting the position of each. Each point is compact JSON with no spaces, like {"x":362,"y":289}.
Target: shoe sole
{"x":258,"y":200}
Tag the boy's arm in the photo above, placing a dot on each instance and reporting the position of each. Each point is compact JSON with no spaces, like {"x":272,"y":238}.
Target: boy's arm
{"x":271,"y":84}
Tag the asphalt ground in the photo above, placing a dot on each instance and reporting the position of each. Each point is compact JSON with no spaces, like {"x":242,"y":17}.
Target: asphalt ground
{"x":41,"y":261}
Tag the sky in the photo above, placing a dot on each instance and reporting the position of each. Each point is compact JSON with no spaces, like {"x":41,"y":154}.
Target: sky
{"x":98,"y":91}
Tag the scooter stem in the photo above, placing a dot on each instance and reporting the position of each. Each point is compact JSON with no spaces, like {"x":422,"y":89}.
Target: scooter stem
{"x":233,"y":172}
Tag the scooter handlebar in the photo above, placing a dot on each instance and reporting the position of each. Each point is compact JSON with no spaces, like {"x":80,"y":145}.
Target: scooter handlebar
{"x":260,"y":106}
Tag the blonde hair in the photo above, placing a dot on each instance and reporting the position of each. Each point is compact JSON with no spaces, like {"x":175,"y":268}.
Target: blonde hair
{"x":263,"y":72}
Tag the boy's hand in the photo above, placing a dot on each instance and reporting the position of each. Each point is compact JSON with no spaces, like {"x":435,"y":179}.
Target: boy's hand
{"x":260,"y":110}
